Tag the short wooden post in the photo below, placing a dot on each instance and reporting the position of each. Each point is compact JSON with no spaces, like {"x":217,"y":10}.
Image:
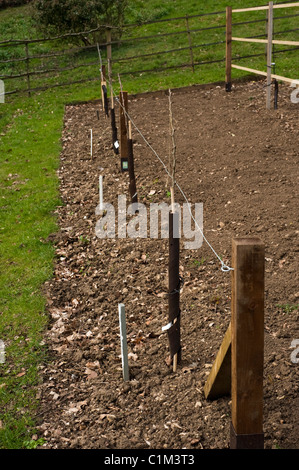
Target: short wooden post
{"x":123,"y":109}
{"x":190,"y":42}
{"x":247,"y":343}
{"x":123,"y":341}
{"x":269,"y":54}
{"x":28,"y":68}
{"x":228,"y":67}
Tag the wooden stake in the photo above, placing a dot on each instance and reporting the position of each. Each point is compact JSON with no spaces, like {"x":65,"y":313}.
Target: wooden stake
{"x":269,"y":54}
{"x":123,"y":98}
{"x":247,"y":330}
{"x":228,"y":68}
{"x":175,"y":357}
{"x":102,"y":83}
{"x":218,"y":383}
{"x":123,"y":341}
{"x":174,"y":254}
{"x":132,"y":185}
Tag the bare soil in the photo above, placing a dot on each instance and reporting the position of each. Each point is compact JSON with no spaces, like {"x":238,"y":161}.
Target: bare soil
{"x":241,"y":162}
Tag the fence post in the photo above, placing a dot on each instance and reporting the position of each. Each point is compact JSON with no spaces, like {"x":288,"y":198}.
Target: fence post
{"x":269,"y":54}
{"x":123,"y":108}
{"x":27,"y":68}
{"x":228,"y":67}
{"x":247,"y":343}
{"x":190,"y":42}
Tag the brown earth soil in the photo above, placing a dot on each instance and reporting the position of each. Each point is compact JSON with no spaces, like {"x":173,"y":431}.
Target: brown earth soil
{"x":240,"y":161}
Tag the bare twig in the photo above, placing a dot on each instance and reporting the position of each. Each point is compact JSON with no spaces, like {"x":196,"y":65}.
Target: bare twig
{"x":172,"y":152}
{"x":123,"y":102}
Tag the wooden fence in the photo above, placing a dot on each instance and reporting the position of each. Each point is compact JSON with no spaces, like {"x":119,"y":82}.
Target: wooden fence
{"x":39,"y":76}
{"x":269,"y":43}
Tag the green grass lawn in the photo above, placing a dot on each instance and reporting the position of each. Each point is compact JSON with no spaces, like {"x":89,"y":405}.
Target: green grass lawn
{"x":30,"y":131}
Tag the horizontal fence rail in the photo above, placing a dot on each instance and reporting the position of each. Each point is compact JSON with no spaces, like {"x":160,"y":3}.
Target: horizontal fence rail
{"x":266,"y":7}
{"x":24,"y":60}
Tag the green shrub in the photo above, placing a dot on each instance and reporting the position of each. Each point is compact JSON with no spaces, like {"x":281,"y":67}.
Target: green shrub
{"x":74,"y":16}
{"x":12,"y":3}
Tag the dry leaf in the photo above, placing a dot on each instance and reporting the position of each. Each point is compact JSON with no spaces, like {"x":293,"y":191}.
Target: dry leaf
{"x":133,"y":356}
{"x":92,"y":365}
{"x":107,"y":416}
{"x":72,"y":410}
{"x":90,"y":373}
{"x":21,"y":373}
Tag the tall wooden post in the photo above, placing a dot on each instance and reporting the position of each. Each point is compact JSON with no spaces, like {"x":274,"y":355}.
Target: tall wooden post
{"x":228,"y":67}
{"x":247,"y":343}
{"x":269,"y":54}
{"x":123,"y":109}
